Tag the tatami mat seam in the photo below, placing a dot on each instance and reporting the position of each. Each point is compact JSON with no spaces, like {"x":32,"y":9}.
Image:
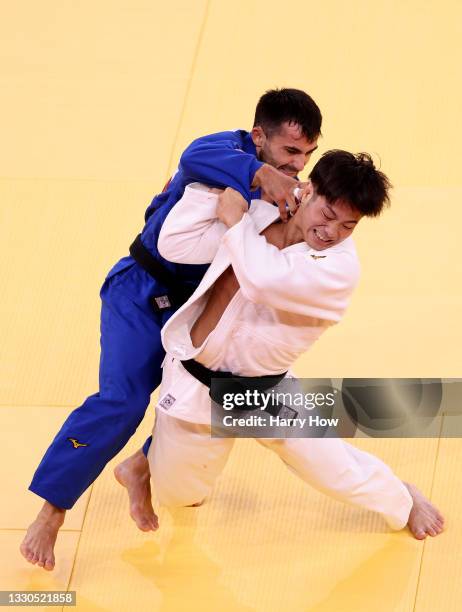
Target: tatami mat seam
{"x":188,"y":86}
{"x":430,"y":497}
{"x":25,"y":529}
{"x":79,"y":540}
{"x":13,"y":405}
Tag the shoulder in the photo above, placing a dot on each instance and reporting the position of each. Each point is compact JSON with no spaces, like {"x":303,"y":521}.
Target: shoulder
{"x":230,"y":135}
{"x":343,"y":257}
{"x":201,"y":192}
{"x":345,"y":250}
{"x":263,"y":213}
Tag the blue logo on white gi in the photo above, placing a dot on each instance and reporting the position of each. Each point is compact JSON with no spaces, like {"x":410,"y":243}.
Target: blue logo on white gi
{"x":167,"y":401}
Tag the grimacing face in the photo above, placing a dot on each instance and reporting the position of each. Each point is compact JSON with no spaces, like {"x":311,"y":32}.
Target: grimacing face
{"x":288,"y":150}
{"x":324,"y":225}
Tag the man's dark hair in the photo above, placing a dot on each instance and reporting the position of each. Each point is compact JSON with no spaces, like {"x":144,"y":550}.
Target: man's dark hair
{"x":340,"y":175}
{"x":292,"y":105}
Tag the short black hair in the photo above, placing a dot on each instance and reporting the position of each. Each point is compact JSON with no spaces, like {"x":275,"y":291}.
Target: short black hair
{"x":277,"y":106}
{"x":340,"y":175}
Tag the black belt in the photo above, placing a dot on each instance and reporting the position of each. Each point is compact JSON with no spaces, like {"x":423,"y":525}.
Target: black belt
{"x":177,"y":294}
{"x":230,"y":383}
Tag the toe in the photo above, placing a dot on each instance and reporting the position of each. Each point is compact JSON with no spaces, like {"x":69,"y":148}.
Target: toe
{"x":34,"y":558}
{"x":24,"y":550}
{"x":144,"y":525}
{"x":49,"y":565}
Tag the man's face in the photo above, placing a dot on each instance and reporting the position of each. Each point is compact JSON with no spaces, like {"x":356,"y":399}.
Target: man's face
{"x":288,"y":149}
{"x":322,"y":224}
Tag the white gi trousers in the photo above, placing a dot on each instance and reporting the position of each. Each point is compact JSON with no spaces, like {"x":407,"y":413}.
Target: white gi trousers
{"x":185,"y":462}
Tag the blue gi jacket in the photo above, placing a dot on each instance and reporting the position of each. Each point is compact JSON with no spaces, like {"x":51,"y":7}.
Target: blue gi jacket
{"x":224,"y":159}
{"x":131,"y":347}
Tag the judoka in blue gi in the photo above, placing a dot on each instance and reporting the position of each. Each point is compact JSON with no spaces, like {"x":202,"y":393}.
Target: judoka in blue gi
{"x":140,"y":294}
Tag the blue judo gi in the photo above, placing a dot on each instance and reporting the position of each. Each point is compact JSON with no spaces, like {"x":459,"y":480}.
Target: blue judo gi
{"x":131,"y":348}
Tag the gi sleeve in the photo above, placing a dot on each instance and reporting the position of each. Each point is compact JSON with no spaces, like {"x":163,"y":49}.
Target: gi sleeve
{"x":220,"y":163}
{"x":293,"y":282}
{"x":191,"y":232}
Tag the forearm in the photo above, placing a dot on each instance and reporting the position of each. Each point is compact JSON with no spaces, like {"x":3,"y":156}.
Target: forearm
{"x":221,"y":164}
{"x":191,"y":232}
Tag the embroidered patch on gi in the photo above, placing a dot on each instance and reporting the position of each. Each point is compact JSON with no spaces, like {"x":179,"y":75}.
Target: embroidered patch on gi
{"x":167,"y":401}
{"x":162,"y":301}
{"x":318,"y":256}
{"x":76,"y":443}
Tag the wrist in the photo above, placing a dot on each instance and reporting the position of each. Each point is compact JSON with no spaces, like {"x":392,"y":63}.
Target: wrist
{"x":259,"y":175}
{"x":232,"y":221}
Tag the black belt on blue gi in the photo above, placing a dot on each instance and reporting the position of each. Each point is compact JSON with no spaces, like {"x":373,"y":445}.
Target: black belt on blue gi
{"x":177,"y":294}
{"x":227,"y":382}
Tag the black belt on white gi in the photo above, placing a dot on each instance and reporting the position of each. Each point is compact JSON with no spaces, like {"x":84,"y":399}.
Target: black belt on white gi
{"x":177,"y":294}
{"x":227,"y":382}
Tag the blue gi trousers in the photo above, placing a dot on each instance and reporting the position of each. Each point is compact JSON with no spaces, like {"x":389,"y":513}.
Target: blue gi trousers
{"x":130,"y":370}
{"x":131,"y":348}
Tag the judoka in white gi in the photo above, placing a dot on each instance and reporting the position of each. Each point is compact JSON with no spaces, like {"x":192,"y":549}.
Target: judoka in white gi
{"x":271,"y":290}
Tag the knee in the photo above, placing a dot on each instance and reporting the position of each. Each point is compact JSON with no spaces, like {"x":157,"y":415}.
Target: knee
{"x":138,"y":405}
{"x":127,"y":413}
{"x":170,"y":498}
{"x":178,"y":488}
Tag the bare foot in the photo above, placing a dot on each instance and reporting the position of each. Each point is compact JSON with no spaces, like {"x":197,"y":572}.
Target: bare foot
{"x":38,"y":544}
{"x":133,"y":474}
{"x":424,"y":519}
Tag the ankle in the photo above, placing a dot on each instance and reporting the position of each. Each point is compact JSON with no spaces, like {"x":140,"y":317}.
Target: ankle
{"x":49,"y":512}
{"x":140,"y":457}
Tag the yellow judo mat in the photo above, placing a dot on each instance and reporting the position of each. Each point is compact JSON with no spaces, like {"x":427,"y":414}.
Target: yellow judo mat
{"x":98,"y":101}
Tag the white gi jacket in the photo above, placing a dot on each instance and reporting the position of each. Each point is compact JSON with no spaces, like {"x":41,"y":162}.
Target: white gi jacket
{"x":287,"y":297}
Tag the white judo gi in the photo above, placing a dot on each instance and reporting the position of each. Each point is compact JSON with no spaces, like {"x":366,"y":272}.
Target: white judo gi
{"x":286,"y":299}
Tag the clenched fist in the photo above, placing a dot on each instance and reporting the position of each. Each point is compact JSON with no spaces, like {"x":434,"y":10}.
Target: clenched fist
{"x":231,"y":207}
{"x":278,"y":188}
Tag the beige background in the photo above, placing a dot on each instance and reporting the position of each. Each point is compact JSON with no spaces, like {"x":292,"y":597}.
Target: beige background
{"x":98,"y":99}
